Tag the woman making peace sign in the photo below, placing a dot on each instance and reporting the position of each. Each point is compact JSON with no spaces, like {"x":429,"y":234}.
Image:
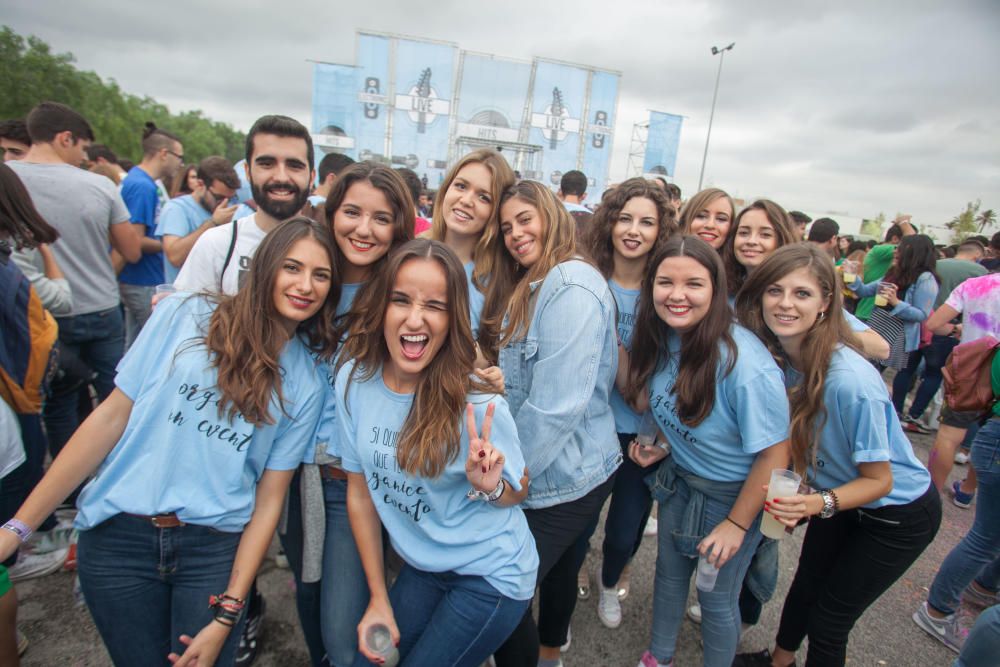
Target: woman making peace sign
{"x":470,"y":560}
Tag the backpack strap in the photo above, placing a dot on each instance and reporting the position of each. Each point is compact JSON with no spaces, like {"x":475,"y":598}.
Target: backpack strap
{"x":229,"y":255}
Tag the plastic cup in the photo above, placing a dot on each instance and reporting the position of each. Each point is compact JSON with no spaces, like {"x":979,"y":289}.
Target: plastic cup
{"x":880,"y":298}
{"x":850,"y":269}
{"x":379,"y":641}
{"x":165,"y":288}
{"x":784,"y":483}
{"x":707,"y":574}
{"x":647,"y":430}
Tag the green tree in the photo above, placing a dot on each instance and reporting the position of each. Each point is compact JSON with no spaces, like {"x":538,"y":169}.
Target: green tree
{"x":873,"y":227}
{"x":30,"y":73}
{"x":964,"y":224}
{"x":986,"y":219}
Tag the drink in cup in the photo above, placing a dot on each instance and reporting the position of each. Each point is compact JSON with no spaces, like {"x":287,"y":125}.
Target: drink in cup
{"x":379,"y":641}
{"x":880,"y":298}
{"x":707,"y":574}
{"x":783,"y":484}
{"x":850,"y":271}
{"x":647,"y":430}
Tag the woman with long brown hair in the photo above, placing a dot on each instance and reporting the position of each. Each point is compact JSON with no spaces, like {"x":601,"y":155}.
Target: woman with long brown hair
{"x":717,"y":395}
{"x":876,"y":509}
{"x":416,"y":430}
{"x":213,"y":409}
{"x":709,"y":216}
{"x":550,"y":317}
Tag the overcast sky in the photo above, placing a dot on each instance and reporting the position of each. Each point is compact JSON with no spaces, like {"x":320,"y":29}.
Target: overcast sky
{"x":848,"y":107}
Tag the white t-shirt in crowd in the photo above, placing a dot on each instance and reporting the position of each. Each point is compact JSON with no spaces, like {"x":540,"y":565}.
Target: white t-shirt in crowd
{"x":206,"y":263}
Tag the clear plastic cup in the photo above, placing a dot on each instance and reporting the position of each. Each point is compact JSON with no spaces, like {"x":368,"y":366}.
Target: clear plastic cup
{"x":707,"y":574}
{"x":378,"y":639}
{"x":850,"y":269}
{"x":783,"y":483}
{"x":647,"y":430}
{"x":165,"y":288}
{"x":880,"y":298}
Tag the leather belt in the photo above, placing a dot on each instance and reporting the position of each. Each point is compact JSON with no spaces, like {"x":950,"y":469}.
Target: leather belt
{"x":332,"y":472}
{"x":161,"y":520}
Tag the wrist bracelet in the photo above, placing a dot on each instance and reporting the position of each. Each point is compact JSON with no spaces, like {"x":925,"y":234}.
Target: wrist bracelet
{"x":730,"y":520}
{"x":19,"y":528}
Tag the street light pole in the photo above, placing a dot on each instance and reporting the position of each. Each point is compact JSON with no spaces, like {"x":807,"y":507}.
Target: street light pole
{"x":722,"y":55}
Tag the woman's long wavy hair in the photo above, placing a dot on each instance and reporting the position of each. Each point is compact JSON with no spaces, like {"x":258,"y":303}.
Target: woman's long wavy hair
{"x":246,"y":334}
{"x":701,"y":354}
{"x":501,"y":178}
{"x":597,"y":243}
{"x":431,"y":435}
{"x":509,"y":291}
{"x":698,"y":203}
{"x":736,"y":273}
{"x":915,"y":255}
{"x":817,"y":347}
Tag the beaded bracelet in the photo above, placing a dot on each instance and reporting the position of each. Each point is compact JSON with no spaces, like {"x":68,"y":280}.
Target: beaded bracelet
{"x":227,"y":608}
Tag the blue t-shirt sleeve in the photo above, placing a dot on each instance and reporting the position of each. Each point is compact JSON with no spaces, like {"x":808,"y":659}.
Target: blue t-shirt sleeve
{"x":174,"y":221}
{"x":346,"y":428}
{"x":298,"y":432}
{"x":864,"y":420}
{"x":141,"y":202}
{"x":761,"y":409}
{"x":154,"y":347}
{"x":856,"y":325}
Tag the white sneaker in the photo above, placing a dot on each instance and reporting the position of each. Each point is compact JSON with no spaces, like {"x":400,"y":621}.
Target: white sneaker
{"x":569,"y":640}
{"x":961,"y":457}
{"x":694,"y":613}
{"x":31,"y":565}
{"x":650,"y":528}
{"x":609,"y":608}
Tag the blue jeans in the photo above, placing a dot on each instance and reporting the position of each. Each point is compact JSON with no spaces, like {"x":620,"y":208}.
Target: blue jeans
{"x":98,"y":340}
{"x":330,"y":609}
{"x":981,"y":545}
{"x":720,"y":625}
{"x":934,"y":356}
{"x":982,"y":646}
{"x":147,"y":586}
{"x":449,"y":620}
{"x":138,"y":303}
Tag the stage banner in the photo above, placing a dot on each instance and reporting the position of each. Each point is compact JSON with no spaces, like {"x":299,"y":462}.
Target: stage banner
{"x":335,"y":109}
{"x":557,"y":105}
{"x":372,"y":96}
{"x":600,"y":123}
{"x":425,"y":88}
{"x":661,"y":143}
{"x":494,"y":91}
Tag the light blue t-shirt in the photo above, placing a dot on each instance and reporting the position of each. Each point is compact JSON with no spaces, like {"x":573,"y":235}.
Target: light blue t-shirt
{"x":750,"y":411}
{"x":431,"y":522}
{"x":177,"y":454}
{"x":326,"y":450}
{"x":861,"y":427}
{"x":476,"y":300}
{"x":627,"y":302}
{"x":857,"y":326}
{"x":180,"y":216}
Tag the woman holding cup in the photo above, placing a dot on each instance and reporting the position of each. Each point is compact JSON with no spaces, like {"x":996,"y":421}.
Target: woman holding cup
{"x":876,"y":511}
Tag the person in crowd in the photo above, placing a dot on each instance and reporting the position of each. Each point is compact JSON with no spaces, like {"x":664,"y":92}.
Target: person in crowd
{"x":465,"y":217}
{"x":413,"y":184}
{"x":911,"y":275}
{"x":327,"y":172}
{"x":992,"y":259}
{"x":952,"y":273}
{"x":469,"y":558}
{"x":87,"y":211}
{"x":101,"y":155}
{"x":823,"y":233}
{"x":876,"y":509}
{"x":370,"y":213}
{"x":573,"y":190}
{"x":550,"y":315}
{"x":717,"y":394}
{"x":184,"y":182}
{"x":799,"y":222}
{"x":12,"y":642}
{"x":843,"y":246}
{"x":162,"y":157}
{"x":879,"y":258}
{"x":14,"y":139}
{"x":213,"y":408}
{"x":674,"y":193}
{"x":425,"y":203}
{"x":709,"y":216}
{"x":628,"y":230}
{"x":185,"y":218}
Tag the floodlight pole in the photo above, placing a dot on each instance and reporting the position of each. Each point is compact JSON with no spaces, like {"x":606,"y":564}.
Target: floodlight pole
{"x":722,"y":55}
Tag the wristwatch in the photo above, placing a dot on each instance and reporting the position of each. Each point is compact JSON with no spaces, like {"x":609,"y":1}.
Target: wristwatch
{"x":492,"y":497}
{"x":829,"y":504}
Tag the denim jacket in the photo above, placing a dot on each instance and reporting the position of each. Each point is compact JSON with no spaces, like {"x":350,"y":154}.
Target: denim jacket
{"x":559,"y":378}
{"x":913,"y":308}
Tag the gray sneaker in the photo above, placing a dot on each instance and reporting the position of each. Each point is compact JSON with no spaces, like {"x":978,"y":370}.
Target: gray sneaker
{"x":945,"y":630}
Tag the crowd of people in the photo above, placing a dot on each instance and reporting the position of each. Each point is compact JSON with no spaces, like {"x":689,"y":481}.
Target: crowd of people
{"x":432,"y":396}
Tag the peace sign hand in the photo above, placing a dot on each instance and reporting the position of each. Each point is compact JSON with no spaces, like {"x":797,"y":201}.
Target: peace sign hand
{"x":485,"y":463}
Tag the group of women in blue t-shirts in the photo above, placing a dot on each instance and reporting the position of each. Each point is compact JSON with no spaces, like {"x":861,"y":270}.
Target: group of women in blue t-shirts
{"x":474,"y":397}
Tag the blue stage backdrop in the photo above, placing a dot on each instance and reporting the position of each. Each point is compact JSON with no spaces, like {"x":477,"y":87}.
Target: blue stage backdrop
{"x":661,"y":143}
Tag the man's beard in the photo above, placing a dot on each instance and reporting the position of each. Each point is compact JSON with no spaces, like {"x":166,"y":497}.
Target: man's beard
{"x":279,"y":210}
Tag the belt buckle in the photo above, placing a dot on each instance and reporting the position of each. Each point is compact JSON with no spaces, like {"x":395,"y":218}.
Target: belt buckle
{"x":166,"y":521}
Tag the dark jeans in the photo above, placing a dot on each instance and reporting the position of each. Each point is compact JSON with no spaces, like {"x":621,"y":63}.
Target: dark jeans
{"x":628,"y":511}
{"x":556,"y":530}
{"x":22,"y":480}
{"x":847,"y":562}
{"x":147,"y":586}
{"x":98,"y":341}
{"x":934,"y":356}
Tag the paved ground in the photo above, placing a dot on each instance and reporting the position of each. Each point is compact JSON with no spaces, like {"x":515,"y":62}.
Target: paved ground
{"x":62,"y":634}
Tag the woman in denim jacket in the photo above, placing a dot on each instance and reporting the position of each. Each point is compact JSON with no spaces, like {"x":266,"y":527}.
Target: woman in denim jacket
{"x":719,"y":397}
{"x":552,"y":318}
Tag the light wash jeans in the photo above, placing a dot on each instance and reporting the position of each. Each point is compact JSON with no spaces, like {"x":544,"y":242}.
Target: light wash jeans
{"x":138,"y":303}
{"x":982,"y":646}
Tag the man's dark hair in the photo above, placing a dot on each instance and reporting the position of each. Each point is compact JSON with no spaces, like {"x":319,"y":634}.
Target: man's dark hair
{"x":978,"y":238}
{"x":894,"y":232}
{"x":673,"y":190}
{"x":573,"y":183}
{"x":154,"y":139}
{"x":799,"y":218}
{"x":95,"y":151}
{"x":995,"y":242}
{"x":413,"y":183}
{"x":48,"y":119}
{"x":823,"y":230}
{"x":125,"y":164}
{"x":215,"y":168}
{"x":280,"y":126}
{"x":333,"y":163}
{"x":971,"y":244}
{"x":15,"y":130}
